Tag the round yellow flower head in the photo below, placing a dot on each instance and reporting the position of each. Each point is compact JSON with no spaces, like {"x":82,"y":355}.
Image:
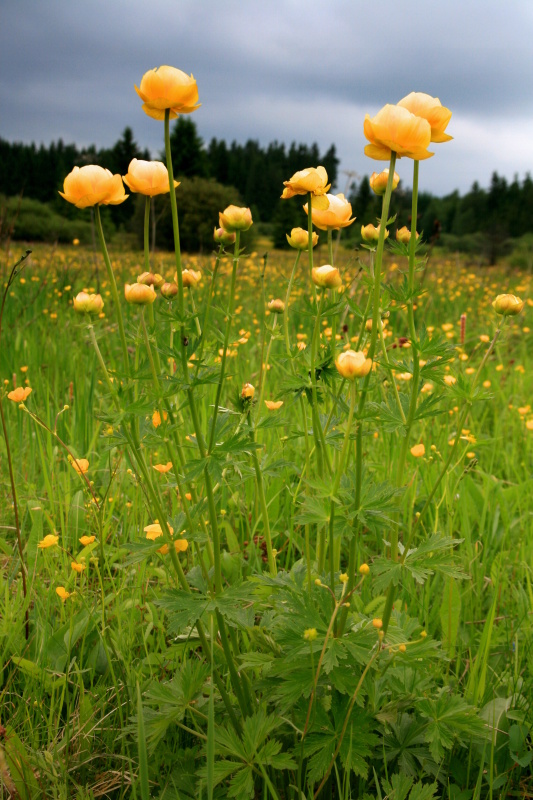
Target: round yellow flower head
{"x":508,"y":305}
{"x":351,"y":364}
{"x":364,"y":569}
{"x":190,"y":277}
{"x":276,"y":306}
{"x":88,"y":303}
{"x":403,"y":235}
{"x":310,"y":634}
{"x":50,"y":540}
{"x":223,"y":237}
{"x":312,"y":179}
{"x":370,"y":233}
{"x":377,"y":623}
{"x":335,"y":216}
{"x":139,"y":294}
{"x":326,"y":276}
{"x":154,"y":531}
{"x":418,"y":450}
{"x":81,"y":465}
{"x":248,"y":391}
{"x":168,"y":88}
{"x":395,"y":130}
{"x":147,"y":177}
{"x":169,"y":290}
{"x":92,"y":186}
{"x":62,"y":593}
{"x":299,"y":239}
{"x":378,"y":182}
{"x":234,"y":219}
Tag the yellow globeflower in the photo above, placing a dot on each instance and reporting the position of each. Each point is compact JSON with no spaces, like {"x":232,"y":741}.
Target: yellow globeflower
{"x":276,"y":306}
{"x":370,"y":233}
{"x":147,"y":177}
{"x":403,"y":235}
{"x":352,"y":364}
{"x":50,"y":540}
{"x":62,"y":593}
{"x":248,"y":391}
{"x":234,"y":219}
{"x":154,"y":531}
{"x":19,"y":395}
{"x":88,"y":303}
{"x":92,"y":186}
{"x":81,"y":465}
{"x":508,"y":305}
{"x":312,"y":179}
{"x":337,"y":215}
{"x":378,"y":181}
{"x":299,"y":239}
{"x":139,"y":294}
{"x":326,"y":276}
{"x":190,"y":277}
{"x":395,"y":129}
{"x":418,"y":450}
{"x":168,"y":87}
{"x":431,"y":109}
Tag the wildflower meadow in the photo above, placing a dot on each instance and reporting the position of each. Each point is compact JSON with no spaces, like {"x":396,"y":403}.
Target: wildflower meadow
{"x":266,"y":516}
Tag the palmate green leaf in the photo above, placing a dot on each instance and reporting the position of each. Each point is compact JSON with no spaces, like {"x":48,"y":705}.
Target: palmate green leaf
{"x":313,"y":511}
{"x":378,"y":502}
{"x":433,"y":555}
{"x":390,"y":418}
{"x":449,"y":719}
{"x":186,"y":608}
{"x":434,"y":349}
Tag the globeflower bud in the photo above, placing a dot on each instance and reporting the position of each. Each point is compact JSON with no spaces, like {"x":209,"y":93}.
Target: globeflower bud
{"x":223,"y":237}
{"x":147,"y":177}
{"x":139,"y":294}
{"x":378,"y":182}
{"x":403,"y":235}
{"x":351,"y":364}
{"x":248,"y":391}
{"x":169,"y":290}
{"x":189,"y":277}
{"x":146,"y":278}
{"x":276,"y":306}
{"x":299,"y":239}
{"x":508,"y":305}
{"x":234,"y":218}
{"x":326,"y":276}
{"x":370,"y":233}
{"x":88,"y":303}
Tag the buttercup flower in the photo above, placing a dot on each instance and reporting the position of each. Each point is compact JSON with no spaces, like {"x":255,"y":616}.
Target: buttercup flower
{"x":86,"y":540}
{"x":156,"y":418}
{"x":62,"y":593}
{"x":312,"y":179}
{"x":430,"y":109}
{"x":49,"y":540}
{"x":395,"y":129}
{"x":508,"y":305}
{"x":248,"y":391}
{"x":77,"y":567}
{"x":147,"y":177}
{"x":180,"y":546}
{"x":91,"y":186}
{"x":326,"y":276}
{"x":337,"y":214}
{"x":168,"y":87}
{"x":299,"y":239}
{"x":19,"y":395}
{"x":139,"y":294}
{"x":163,"y":467}
{"x":81,"y":465}
{"x":310,"y":634}
{"x":364,"y":569}
{"x":370,"y":234}
{"x":378,"y":181}
{"x":234,"y":218}
{"x":418,"y":450}
{"x":273,"y":405}
{"x":88,"y":303}
{"x":276,"y":306}
{"x":154,"y":531}
{"x":223,"y":237}
{"x":352,"y":364}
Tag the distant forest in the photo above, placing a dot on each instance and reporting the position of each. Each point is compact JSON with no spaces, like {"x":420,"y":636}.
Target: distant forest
{"x":253,"y":175}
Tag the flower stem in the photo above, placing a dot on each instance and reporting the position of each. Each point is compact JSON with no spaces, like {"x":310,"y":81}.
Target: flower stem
{"x":287,"y":299}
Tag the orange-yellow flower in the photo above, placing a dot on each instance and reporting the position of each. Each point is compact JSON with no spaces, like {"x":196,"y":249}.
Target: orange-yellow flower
{"x":403,"y":235}
{"x":509,"y":305}
{"x":85,"y":540}
{"x":19,"y":395}
{"x":351,"y":364}
{"x":154,"y":531}
{"x":431,"y":109}
{"x":81,"y":465}
{"x":168,"y":87}
{"x":299,"y":239}
{"x":156,"y":418}
{"x":139,"y":294}
{"x":273,"y":405}
{"x":147,"y":177}
{"x":312,"y":179}
{"x":276,"y":306}
{"x":93,"y":185}
{"x":180,"y":546}
{"x":326,"y":276}
{"x":77,"y":567}
{"x":49,"y":540}
{"x":337,"y":214}
{"x":370,"y":233}
{"x":62,"y":593}
{"x":88,"y":303}
{"x":248,"y":391}
{"x":418,"y":450}
{"x":378,"y":181}
{"x":163,"y":467}
{"x":190,"y":277}
{"x":223,"y":237}
{"x":234,"y":219}
{"x":395,"y":129}
{"x":169,"y":290}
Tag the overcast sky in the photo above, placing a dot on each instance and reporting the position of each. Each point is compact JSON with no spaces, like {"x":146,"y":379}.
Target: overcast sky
{"x":278,"y":69}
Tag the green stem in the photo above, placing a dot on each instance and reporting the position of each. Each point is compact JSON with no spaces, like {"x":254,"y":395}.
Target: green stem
{"x":174,"y":212}
{"x":262,"y":503}
{"x":263,"y":382}
{"x":310,"y":239}
{"x":334,"y":294}
{"x":147,"y":235}
{"x":287,"y":299}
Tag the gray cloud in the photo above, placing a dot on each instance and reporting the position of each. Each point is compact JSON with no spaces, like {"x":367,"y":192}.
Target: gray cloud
{"x":284,"y":69}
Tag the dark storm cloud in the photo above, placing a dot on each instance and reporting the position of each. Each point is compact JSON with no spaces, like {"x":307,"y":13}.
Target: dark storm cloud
{"x":274,"y":70}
